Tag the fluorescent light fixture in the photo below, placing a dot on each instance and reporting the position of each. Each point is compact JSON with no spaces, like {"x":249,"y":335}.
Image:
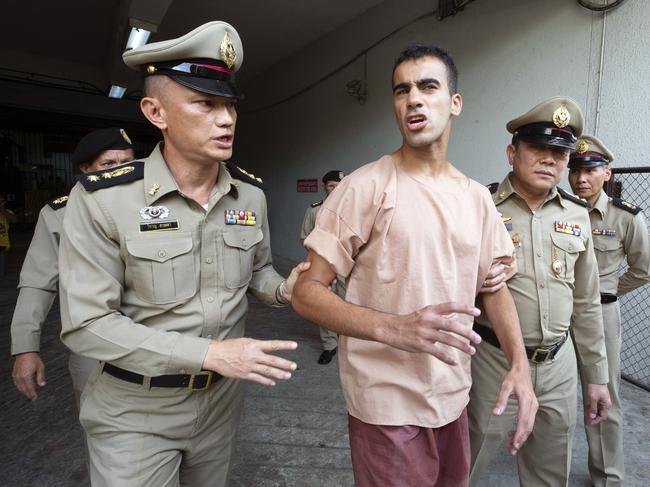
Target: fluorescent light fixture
{"x":116,"y":91}
{"x":137,"y":38}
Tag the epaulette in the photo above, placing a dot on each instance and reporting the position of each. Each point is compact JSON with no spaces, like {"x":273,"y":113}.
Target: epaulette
{"x":317,"y":204}
{"x":624,"y":205}
{"x":574,"y":198}
{"x":113,"y":176}
{"x":238,"y":173}
{"x":493,"y":187}
{"x":58,"y":203}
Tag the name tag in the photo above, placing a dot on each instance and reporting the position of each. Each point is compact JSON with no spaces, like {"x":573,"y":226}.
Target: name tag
{"x":158,"y":226}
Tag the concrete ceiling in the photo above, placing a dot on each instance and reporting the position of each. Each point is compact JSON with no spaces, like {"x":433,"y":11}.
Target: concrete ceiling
{"x":83,"y":40}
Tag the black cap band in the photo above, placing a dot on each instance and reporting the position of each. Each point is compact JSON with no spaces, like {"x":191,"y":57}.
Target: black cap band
{"x":547,"y":134}
{"x":587,"y":160}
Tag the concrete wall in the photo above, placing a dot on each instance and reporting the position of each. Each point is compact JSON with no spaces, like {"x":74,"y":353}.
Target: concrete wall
{"x":511,"y":55}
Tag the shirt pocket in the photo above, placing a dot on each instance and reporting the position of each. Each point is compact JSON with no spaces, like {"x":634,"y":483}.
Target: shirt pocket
{"x":239,"y":255}
{"x":607,"y":252}
{"x":162,"y":269}
{"x":566,"y":249}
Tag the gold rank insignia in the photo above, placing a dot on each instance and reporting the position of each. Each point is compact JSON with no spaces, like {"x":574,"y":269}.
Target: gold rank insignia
{"x":561,"y":116}
{"x":153,"y":189}
{"x":60,"y":200}
{"x":250,"y":175}
{"x":227,"y":51}
{"x":125,"y":136}
{"x":583,"y":146}
{"x":629,"y":205}
{"x":92,"y":178}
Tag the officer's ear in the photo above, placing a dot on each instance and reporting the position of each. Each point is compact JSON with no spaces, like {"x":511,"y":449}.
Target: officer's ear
{"x":510,"y":153}
{"x":608,"y":173}
{"x":153,"y":109}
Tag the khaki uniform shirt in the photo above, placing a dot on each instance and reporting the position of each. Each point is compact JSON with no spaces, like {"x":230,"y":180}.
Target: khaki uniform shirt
{"x":404,"y":244}
{"x":619,"y":233}
{"x":557,"y":275}
{"x":148,"y":295}
{"x":309,"y":221}
{"x":39,"y":278}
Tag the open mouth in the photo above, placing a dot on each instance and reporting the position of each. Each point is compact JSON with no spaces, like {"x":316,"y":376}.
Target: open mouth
{"x":416,"y":121}
{"x":224,"y":140}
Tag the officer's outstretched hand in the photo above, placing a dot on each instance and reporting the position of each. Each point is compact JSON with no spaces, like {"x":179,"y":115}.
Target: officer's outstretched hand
{"x":246,"y":358}
{"x":428,"y":328}
{"x":28,"y":373}
{"x":597,"y":404}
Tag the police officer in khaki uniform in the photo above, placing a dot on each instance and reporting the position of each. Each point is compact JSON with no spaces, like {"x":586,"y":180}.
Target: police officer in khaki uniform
{"x":156,"y":260}
{"x":555,"y":280}
{"x":39,"y":275}
{"x":619,"y":232}
{"x":328,"y":338}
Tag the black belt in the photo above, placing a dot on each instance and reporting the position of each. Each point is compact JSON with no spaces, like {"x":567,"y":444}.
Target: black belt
{"x":606,"y":298}
{"x":194,"y":382}
{"x":537,"y":355}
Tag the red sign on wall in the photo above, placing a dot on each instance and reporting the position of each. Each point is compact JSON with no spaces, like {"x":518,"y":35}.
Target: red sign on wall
{"x":308,"y":186}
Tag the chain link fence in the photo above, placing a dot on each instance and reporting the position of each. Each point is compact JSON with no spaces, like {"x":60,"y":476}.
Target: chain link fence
{"x":633,"y":185}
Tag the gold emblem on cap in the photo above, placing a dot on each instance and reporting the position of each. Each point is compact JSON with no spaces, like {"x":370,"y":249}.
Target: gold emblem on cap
{"x":151,"y":69}
{"x":153,"y":189}
{"x":583,"y":146}
{"x":227,"y":51}
{"x":125,"y":137}
{"x":561,"y":117}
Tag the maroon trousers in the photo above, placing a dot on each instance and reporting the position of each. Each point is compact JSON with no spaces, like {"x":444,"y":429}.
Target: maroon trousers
{"x":410,"y":456}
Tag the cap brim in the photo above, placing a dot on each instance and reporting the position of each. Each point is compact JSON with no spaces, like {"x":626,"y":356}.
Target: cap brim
{"x":577,"y":164}
{"x":550,"y":141}
{"x":210,"y":86}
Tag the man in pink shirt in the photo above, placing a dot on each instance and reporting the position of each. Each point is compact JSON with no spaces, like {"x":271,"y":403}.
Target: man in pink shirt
{"x":415,"y":239}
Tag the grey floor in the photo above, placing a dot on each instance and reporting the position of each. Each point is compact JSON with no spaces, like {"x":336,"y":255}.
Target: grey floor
{"x":294,"y":434}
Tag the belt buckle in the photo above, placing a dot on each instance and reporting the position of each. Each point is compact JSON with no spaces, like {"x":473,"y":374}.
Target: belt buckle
{"x":206,"y":373}
{"x":547,"y":354}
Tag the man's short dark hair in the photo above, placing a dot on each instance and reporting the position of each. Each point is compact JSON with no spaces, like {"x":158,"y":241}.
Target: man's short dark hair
{"x":418,"y":51}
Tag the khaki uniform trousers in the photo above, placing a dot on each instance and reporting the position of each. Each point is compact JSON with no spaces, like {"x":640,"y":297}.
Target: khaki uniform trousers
{"x":606,"y":465}
{"x":80,"y":368}
{"x":545,"y":458}
{"x":159,"y":437}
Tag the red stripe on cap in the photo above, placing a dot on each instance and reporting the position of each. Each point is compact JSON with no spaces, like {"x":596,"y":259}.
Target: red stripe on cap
{"x":214,"y":68}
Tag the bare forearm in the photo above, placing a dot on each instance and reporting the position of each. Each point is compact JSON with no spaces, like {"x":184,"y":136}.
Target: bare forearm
{"x":502,"y":314}
{"x":313,"y":301}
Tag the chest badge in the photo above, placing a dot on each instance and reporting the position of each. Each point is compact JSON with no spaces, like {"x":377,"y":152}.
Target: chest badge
{"x":154,"y":212}
{"x":240,"y":217}
{"x":568,"y":228}
{"x":516,"y":239}
{"x":604,"y":232}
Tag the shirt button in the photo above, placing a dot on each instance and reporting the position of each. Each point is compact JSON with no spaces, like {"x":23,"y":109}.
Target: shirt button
{"x":162,"y":253}
{"x":539,"y":254}
{"x":570,"y":247}
{"x":210,"y":299}
{"x":209,"y":336}
{"x":208,"y":260}
{"x":541,"y":284}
